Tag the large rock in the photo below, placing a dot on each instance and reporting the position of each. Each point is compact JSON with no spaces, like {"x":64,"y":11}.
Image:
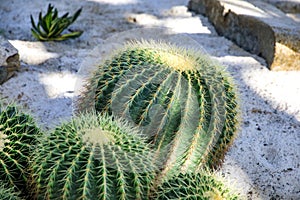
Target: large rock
{"x":258,"y":27}
{"x":9,"y":60}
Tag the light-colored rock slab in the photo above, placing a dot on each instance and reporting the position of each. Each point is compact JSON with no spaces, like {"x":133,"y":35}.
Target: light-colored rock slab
{"x":258,"y":27}
{"x":9,"y":60}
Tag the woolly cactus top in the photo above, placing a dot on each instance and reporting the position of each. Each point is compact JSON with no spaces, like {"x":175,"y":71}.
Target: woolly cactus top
{"x":97,"y":136}
{"x":171,"y":56}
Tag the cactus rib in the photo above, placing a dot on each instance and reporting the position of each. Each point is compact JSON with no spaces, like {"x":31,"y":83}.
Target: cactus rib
{"x":18,"y":135}
{"x":203,"y":185}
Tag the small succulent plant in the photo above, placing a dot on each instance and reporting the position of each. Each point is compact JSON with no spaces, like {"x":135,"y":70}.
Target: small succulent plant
{"x":92,"y":157}
{"x":51,"y":27}
{"x":18,"y":135}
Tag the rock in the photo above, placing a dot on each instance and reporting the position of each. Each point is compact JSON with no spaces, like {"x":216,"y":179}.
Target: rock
{"x":287,"y":6}
{"x":3,"y":74}
{"x":9,"y":60}
{"x":258,"y":27}
{"x":295,"y":17}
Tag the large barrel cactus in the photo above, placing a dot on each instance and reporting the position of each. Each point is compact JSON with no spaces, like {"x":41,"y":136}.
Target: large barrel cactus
{"x":202,"y":186}
{"x":92,"y":157}
{"x":18,"y":135}
{"x":181,"y":100}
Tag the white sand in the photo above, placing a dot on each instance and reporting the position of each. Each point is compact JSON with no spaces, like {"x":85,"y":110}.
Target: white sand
{"x":264,"y":161}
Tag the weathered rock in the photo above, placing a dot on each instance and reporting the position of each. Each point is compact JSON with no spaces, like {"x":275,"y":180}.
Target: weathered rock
{"x":287,"y":6}
{"x":9,"y":60}
{"x":258,"y":27}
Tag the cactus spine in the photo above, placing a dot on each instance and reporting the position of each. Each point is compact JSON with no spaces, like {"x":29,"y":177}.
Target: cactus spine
{"x":18,"y":134}
{"x":92,"y":157}
{"x":8,"y":193}
{"x":182,"y":101}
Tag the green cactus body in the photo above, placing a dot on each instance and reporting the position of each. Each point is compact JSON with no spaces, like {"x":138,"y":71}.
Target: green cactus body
{"x":202,"y":186}
{"x":18,"y":135}
{"x":182,"y":101}
{"x":8,"y":193}
{"x":92,"y":158}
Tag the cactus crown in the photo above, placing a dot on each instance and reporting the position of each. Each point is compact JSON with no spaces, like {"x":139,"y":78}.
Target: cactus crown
{"x":93,"y":157}
{"x":176,"y":58}
{"x":184,"y":103}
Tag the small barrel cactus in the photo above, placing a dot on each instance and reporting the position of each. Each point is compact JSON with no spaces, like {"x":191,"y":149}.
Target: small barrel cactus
{"x":92,"y":157}
{"x":182,"y":101}
{"x":18,"y":135}
{"x":204,"y":186}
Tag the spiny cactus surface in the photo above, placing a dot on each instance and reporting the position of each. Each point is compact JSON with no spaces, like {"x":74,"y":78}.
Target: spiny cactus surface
{"x":93,"y":157}
{"x":200,"y":186}
{"x":181,"y":100}
{"x":18,"y":135}
{"x":8,"y":193}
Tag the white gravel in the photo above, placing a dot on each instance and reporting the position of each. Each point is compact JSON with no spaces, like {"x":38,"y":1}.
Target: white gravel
{"x":264,"y":161}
